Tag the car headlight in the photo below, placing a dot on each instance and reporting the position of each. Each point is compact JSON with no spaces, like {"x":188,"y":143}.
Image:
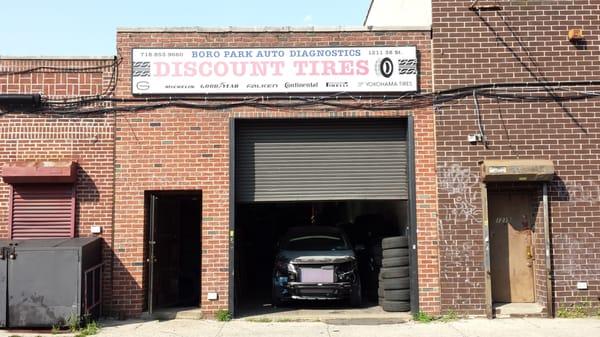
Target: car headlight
{"x":281,"y":268}
{"x":345,"y":271}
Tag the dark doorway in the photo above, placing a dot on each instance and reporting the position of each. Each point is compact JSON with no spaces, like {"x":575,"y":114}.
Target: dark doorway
{"x":173,"y":249}
{"x":511,"y":251}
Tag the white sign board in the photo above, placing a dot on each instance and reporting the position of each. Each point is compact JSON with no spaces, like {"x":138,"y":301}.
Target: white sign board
{"x":274,"y":70}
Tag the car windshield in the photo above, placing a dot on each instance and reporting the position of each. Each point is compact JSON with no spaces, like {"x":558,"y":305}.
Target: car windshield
{"x":315,"y":242}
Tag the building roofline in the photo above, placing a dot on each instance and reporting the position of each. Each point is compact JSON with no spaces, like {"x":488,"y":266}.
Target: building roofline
{"x":282,"y":29}
{"x":57,"y":58}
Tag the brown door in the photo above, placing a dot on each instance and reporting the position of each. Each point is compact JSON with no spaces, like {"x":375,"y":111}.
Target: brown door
{"x":510,"y":247}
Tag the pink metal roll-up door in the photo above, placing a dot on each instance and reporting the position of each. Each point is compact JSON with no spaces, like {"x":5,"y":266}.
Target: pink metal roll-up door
{"x":40,"y":211}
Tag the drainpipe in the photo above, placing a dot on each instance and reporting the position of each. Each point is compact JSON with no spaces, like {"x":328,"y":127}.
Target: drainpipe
{"x":487,"y":265}
{"x":549,"y":306}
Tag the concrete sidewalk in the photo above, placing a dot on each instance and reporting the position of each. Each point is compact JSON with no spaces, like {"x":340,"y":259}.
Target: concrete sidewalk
{"x":518,"y":327}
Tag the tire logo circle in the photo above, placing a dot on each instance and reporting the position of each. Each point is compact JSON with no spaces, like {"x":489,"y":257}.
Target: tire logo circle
{"x":386,"y":67}
{"x":142,"y":85}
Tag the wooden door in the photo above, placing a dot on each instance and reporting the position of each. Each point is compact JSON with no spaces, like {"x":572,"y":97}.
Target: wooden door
{"x":511,"y":252}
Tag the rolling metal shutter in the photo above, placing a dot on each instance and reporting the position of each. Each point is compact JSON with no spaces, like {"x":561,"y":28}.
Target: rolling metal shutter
{"x":293,"y":160}
{"x":40,"y":211}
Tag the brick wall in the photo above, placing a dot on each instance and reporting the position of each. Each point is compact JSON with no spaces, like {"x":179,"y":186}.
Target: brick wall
{"x":189,"y":149}
{"x":87,"y":140}
{"x":523,"y":42}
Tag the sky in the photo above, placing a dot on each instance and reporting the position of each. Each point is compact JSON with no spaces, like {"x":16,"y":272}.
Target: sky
{"x":88,"y":27}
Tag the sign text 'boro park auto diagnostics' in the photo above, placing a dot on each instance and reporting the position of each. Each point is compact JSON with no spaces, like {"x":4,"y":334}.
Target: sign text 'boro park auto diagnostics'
{"x":274,"y":70}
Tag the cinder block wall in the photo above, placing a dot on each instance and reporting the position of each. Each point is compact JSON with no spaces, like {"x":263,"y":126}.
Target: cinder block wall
{"x":186,"y":149}
{"x":85,"y":139}
{"x":525,"y":41}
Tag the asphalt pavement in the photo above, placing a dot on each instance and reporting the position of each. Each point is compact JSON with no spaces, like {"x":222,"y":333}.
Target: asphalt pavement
{"x":518,"y":327}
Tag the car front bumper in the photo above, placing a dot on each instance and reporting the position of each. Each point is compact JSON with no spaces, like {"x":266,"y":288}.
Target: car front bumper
{"x":314,"y":291}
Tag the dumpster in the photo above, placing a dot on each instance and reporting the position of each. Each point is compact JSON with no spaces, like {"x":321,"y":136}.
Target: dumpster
{"x":49,"y":282}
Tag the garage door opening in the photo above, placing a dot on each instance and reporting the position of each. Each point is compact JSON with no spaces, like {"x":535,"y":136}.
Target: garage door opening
{"x":261,"y":226}
{"x":173,"y":249}
{"x":346,"y":181}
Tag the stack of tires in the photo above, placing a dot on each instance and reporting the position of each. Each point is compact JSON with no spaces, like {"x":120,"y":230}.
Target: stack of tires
{"x":394,"y":281}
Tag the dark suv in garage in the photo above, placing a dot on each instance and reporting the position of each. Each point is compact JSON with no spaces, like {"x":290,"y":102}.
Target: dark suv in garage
{"x":315,"y":263}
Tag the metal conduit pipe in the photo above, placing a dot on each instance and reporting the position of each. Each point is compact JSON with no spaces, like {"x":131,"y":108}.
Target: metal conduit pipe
{"x":27,"y":101}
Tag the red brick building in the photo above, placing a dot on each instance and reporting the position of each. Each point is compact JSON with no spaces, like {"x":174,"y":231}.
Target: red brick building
{"x":496,"y":184}
{"x":508,"y":59}
{"x":158,"y":162}
{"x":88,"y":141}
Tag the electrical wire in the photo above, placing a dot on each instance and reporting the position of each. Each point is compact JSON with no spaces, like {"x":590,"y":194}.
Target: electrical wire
{"x":479,"y":120}
{"x":367,"y":103}
{"x":510,"y":91}
{"x":110,"y":88}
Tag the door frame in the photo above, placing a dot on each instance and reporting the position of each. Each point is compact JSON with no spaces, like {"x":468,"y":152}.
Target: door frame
{"x":411,"y":232}
{"x":486,"y":250}
{"x":150,"y":198}
{"x":149,"y":243}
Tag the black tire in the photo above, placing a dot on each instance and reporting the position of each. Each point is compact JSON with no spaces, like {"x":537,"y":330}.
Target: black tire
{"x":380,"y":292}
{"x":377,"y":261}
{"x":276,"y":301}
{"x":395,"y":283}
{"x":395,"y":262}
{"x":395,"y":252}
{"x":397,"y":295}
{"x":395,"y":272}
{"x":375,"y":250}
{"x":395,"y":306}
{"x":394,"y":242}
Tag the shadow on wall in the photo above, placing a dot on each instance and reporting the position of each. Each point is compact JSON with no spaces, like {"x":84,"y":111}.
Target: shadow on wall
{"x":86,"y":193}
{"x":126,"y":295}
{"x":119,"y":290}
{"x":559,"y":189}
{"x":86,"y":187}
